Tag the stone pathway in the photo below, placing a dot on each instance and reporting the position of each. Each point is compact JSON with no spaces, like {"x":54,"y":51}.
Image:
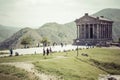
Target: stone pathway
{"x":39,"y":50}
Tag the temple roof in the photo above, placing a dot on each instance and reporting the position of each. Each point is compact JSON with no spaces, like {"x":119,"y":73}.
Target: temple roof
{"x":101,"y":18}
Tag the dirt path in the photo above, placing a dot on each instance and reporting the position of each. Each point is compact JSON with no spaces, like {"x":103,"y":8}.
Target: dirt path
{"x":29,"y":67}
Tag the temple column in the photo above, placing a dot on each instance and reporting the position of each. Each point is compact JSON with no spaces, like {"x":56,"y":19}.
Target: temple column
{"x":110,"y":31}
{"x":103,"y":30}
{"x":84,"y":31}
{"x":97,"y":31}
{"x":77,"y":31}
{"x":93,"y":31}
{"x":107,"y":31}
{"x":88,"y":31}
{"x":86,"y":25}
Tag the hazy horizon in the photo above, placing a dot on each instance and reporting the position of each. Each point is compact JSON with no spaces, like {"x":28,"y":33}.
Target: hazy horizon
{"x":35,"y":13}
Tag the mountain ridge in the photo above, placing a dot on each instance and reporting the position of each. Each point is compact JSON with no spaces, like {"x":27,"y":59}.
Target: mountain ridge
{"x":65,"y":33}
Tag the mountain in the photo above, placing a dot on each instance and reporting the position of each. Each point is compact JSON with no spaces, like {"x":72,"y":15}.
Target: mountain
{"x":55,"y":32}
{"x":6,"y":32}
{"x":112,"y":14}
{"x":15,"y":40}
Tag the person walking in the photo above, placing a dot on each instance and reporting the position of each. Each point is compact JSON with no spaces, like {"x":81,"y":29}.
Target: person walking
{"x":43,"y":51}
{"x":11,"y":51}
{"x":47,"y":51}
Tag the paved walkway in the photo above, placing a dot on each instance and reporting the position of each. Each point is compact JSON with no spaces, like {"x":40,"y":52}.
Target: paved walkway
{"x":38,"y":50}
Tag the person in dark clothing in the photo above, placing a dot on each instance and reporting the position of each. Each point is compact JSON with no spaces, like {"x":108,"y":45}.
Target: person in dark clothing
{"x":11,"y":52}
{"x":43,"y":51}
{"x":61,"y":44}
{"x":47,"y":51}
{"x":50,"y":50}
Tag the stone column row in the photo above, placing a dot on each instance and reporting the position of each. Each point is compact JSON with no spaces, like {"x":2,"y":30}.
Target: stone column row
{"x":105,"y":31}
{"x":100,"y":31}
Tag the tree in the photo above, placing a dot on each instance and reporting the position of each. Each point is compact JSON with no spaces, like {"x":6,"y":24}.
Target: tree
{"x":25,"y":41}
{"x":44,"y":41}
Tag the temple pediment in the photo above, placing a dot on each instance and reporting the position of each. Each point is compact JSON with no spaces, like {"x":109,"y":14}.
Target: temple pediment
{"x":91,"y":19}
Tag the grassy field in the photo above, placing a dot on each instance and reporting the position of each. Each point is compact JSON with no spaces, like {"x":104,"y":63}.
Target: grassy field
{"x":99,"y":61}
{"x":12,"y":73}
{"x":32,"y":58}
{"x":69,"y":67}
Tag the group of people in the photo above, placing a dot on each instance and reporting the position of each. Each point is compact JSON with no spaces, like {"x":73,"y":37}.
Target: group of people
{"x":46,"y":51}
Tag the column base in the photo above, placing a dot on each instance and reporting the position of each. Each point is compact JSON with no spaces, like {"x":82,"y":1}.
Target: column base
{"x":96,"y":42}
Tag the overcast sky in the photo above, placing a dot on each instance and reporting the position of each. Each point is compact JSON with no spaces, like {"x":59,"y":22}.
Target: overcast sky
{"x":34,"y":13}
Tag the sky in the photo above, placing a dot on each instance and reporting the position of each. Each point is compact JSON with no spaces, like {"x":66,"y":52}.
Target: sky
{"x":35,"y":13}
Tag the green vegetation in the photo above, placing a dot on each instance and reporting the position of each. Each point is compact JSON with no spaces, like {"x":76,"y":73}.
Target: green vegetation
{"x":58,"y":32}
{"x":13,"y":73}
{"x":1,"y":53}
{"x":26,"y":41}
{"x":69,"y":67}
{"x":7,"y":31}
{"x":45,"y":41}
{"x":35,"y":57}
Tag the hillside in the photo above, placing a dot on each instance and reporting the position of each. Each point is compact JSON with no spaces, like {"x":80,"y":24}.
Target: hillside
{"x":6,"y":32}
{"x":55,"y":32}
{"x":113,"y":14}
{"x":15,"y":40}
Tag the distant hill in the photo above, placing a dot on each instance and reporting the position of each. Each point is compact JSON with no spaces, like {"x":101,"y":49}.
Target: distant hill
{"x":15,"y":40}
{"x":6,"y":32}
{"x":113,"y":14}
{"x":55,"y":32}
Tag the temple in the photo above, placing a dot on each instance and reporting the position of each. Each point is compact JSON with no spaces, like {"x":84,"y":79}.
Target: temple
{"x":93,"y":30}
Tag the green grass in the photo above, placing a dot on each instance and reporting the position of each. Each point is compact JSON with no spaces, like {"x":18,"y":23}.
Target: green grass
{"x":99,"y":61}
{"x":35,"y":57}
{"x":70,"y":67}
{"x":13,"y":73}
{"x":1,"y":53}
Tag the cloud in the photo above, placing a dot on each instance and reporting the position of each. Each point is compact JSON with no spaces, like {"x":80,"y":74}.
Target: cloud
{"x":37,"y":12}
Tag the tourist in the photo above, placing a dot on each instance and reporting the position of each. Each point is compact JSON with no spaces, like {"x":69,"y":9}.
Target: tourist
{"x":50,"y":49}
{"x":11,"y":51}
{"x":47,"y":50}
{"x":61,"y":44}
{"x":43,"y":51}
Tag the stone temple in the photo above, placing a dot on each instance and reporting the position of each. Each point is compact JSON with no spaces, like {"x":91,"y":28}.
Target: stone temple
{"x":93,"y":30}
